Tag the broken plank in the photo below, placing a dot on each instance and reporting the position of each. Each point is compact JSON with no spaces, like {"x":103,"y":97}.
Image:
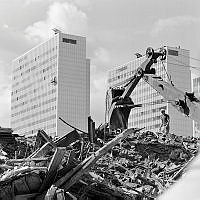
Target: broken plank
{"x":25,"y":196}
{"x":52,"y":169}
{"x":42,"y":151}
{"x":69,"y":179}
{"x":26,"y":160}
{"x":177,"y":174}
{"x":68,"y":139}
{"x":42,"y":133}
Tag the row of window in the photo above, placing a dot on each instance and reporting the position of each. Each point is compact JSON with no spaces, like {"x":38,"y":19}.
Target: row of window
{"x":22,"y":88}
{"x":32,"y":84}
{"x":125,"y":75}
{"x":196,"y":81}
{"x":139,"y":114}
{"x":143,"y":89}
{"x":39,"y":113}
{"x":132,"y":65}
{"x":30,"y":91}
{"x":35,"y":122}
{"x":42,"y":127}
{"x":35,"y":58}
{"x":150,"y":119}
{"x":121,"y":76}
{"x":144,"y":94}
{"x":35,"y":67}
{"x":124,"y":82}
{"x":196,"y":86}
{"x":34,"y":98}
{"x":197,"y":125}
{"x":196,"y":91}
{"x":36,"y":74}
{"x":121,"y":69}
{"x":151,"y":127}
{"x":34,"y":107}
{"x":23,"y":58}
{"x":150,"y":96}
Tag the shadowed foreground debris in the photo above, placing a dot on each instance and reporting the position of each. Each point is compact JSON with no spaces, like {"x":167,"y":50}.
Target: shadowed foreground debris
{"x":130,"y":165}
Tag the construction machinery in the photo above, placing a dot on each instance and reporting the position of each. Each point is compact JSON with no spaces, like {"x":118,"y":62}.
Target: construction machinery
{"x":119,"y":102}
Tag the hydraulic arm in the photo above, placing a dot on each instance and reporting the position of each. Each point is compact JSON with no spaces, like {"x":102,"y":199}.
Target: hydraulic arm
{"x":118,"y":101}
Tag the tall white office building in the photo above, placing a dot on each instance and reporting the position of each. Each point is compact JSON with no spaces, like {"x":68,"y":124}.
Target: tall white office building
{"x":176,"y":69}
{"x":51,"y":80}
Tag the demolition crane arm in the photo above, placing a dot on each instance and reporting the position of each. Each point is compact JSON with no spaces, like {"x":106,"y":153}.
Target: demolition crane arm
{"x":145,"y":67}
{"x":119,"y":103}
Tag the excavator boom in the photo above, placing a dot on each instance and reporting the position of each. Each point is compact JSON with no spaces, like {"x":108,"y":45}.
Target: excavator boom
{"x":119,"y":103}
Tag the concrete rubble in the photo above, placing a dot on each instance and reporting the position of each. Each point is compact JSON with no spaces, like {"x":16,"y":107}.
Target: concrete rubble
{"x":132,"y":164}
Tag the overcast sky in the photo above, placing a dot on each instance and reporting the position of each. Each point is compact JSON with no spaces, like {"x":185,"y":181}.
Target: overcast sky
{"x":115,"y":30}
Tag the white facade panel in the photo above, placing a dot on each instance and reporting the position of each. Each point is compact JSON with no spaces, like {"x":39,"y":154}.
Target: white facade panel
{"x":179,"y":69}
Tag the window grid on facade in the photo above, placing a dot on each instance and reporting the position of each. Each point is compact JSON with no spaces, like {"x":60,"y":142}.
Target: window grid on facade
{"x":41,"y":90}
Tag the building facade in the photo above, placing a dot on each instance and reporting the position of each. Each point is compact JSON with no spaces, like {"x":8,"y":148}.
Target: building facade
{"x":51,"y":80}
{"x":196,"y":90}
{"x":176,"y":69}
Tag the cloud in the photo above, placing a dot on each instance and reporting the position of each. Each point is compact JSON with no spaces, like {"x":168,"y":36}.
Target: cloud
{"x":27,"y":2}
{"x":173,"y":23}
{"x":181,"y":31}
{"x":11,"y":41}
{"x":98,"y":91}
{"x":5,"y":106}
{"x":5,"y":26}
{"x":99,"y":66}
{"x":30,"y":2}
{"x":101,"y":55}
{"x":64,"y":16}
{"x":97,"y":95}
{"x":5,"y":91}
{"x":82,"y":3}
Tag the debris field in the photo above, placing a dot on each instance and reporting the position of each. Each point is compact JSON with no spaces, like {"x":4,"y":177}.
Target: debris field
{"x":133,"y":164}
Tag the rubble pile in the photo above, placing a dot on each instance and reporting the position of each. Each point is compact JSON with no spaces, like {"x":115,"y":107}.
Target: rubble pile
{"x":145,"y":164}
{"x":130,"y":165}
{"x":12,"y":145}
{"x":19,"y":148}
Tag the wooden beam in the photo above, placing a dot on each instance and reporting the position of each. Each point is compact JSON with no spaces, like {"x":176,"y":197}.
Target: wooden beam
{"x":46,"y":137}
{"x":25,"y":196}
{"x":26,"y":160}
{"x":53,"y":168}
{"x":42,"y":151}
{"x":74,"y":175}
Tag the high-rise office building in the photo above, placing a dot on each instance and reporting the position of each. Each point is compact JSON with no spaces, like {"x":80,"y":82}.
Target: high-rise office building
{"x":51,"y":80}
{"x":176,"y":69}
